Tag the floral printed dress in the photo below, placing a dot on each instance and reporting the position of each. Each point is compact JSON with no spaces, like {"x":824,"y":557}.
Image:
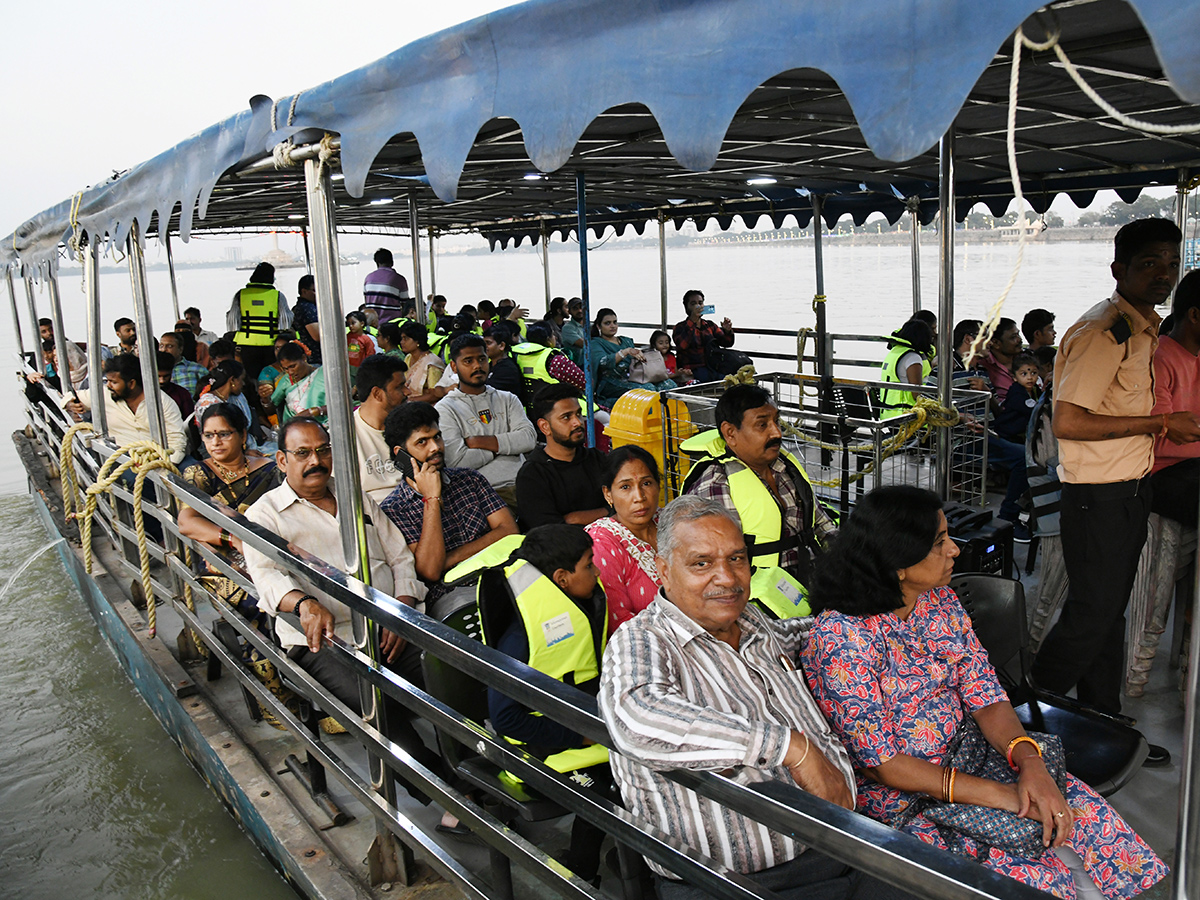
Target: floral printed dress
{"x":889,"y":686}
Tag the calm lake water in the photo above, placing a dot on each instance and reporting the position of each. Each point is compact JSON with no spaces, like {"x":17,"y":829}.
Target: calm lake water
{"x":95,"y":801}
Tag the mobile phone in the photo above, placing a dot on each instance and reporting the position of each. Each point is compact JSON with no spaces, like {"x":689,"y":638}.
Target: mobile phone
{"x":404,"y":462}
{"x":708,"y":310}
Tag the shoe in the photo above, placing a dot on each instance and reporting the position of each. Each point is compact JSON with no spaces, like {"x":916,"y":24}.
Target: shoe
{"x":1021,"y":533}
{"x":1157,"y":758}
{"x":459,"y":832}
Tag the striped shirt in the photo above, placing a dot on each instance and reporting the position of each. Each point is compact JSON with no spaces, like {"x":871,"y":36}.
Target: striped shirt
{"x":675,"y":697}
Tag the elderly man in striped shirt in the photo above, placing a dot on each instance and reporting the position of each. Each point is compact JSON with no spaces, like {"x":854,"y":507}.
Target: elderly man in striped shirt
{"x":699,"y":680}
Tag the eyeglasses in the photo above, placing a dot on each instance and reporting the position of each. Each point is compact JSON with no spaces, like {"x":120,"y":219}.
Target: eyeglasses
{"x":218,"y":435}
{"x":324,"y":451}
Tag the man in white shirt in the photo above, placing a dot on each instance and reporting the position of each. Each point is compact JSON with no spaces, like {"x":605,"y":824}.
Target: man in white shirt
{"x":125,"y":408}
{"x":380,"y":382}
{"x":483,"y":428}
{"x":304,"y":512}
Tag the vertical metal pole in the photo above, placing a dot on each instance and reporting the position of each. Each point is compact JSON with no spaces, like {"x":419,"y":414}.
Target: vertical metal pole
{"x":171,"y":271}
{"x":914,"y":221}
{"x":662,"y":267}
{"x":91,"y":280}
{"x":823,"y":367}
{"x":946,"y":189}
{"x":39,"y":358}
{"x":1181,"y":196}
{"x":12,"y":299}
{"x":414,"y":231}
{"x":1187,"y":830}
{"x":432,"y":268}
{"x":336,"y":364}
{"x":307,"y":252}
{"x":147,"y":345}
{"x":546,"y":265}
{"x":584,"y":293}
{"x":63,"y":368}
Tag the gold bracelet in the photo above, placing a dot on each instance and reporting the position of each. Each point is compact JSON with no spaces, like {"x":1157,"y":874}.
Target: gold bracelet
{"x":1012,"y":745}
{"x":953,"y":775}
{"x":945,"y":783}
{"x":800,"y":761}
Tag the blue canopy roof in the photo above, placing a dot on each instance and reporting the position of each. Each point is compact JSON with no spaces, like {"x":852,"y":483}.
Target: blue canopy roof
{"x":562,"y":77}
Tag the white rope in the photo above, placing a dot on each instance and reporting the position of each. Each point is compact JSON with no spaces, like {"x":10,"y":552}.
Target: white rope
{"x":281,"y":153}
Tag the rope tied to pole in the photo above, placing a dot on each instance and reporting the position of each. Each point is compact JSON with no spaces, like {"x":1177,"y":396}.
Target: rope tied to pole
{"x":817,"y":298}
{"x":281,"y":153}
{"x":144,"y":457}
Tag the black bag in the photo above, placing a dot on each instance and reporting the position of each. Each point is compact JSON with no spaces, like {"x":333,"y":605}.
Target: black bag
{"x":724,"y":360}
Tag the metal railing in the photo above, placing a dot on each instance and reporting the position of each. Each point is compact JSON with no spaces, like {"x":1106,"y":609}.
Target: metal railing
{"x":860,"y":842}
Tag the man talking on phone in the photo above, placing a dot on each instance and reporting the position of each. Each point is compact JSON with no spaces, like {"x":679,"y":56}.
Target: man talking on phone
{"x":445,"y":515}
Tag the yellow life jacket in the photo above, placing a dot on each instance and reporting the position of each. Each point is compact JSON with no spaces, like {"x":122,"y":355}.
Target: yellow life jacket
{"x":440,"y":344}
{"x":258,"y":311}
{"x":776,"y":590}
{"x":896,"y":402}
{"x":561,"y":641}
{"x":533,"y":360}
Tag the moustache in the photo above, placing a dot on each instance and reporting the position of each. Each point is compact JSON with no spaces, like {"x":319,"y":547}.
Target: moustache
{"x":775,"y":442}
{"x":734,"y":591}
{"x":316,"y":470}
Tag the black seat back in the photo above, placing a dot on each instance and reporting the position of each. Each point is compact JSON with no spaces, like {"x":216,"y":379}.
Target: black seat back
{"x":455,"y":688}
{"x":996,"y":606}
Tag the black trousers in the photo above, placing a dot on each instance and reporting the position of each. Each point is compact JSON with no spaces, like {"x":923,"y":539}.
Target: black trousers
{"x":256,"y":357}
{"x":1103,"y":530}
{"x":1177,"y":492}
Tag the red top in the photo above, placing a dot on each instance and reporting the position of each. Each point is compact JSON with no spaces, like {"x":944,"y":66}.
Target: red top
{"x":1176,"y":383}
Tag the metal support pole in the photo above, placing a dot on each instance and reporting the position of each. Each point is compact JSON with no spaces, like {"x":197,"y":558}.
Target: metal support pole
{"x":147,"y":345}
{"x":307,"y":252}
{"x":546,"y":266}
{"x":63,"y":369}
{"x":39,"y":358}
{"x":91,"y":280}
{"x":581,"y":205}
{"x":1181,"y":197}
{"x":1187,"y":830}
{"x":336,"y":364}
{"x":914,"y":221}
{"x":171,"y":271}
{"x":12,"y":299}
{"x":415,"y":232}
{"x":945,"y":304}
{"x":432,"y":268}
{"x":662,"y":267}
{"x":823,"y":362}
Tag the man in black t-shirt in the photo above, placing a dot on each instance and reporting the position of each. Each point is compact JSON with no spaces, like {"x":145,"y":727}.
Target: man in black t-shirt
{"x":562,"y":481}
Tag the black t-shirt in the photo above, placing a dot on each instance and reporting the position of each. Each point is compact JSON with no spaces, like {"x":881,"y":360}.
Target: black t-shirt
{"x":506,"y":376}
{"x":548,"y":489}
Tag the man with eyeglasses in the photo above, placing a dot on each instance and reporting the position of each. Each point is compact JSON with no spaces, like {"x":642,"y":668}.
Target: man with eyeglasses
{"x":304,"y":512}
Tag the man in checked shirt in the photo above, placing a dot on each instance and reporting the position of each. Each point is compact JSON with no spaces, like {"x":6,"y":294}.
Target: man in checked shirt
{"x":699,"y":680}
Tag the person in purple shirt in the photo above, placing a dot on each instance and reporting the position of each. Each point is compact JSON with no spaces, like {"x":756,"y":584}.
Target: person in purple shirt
{"x":385,"y":289}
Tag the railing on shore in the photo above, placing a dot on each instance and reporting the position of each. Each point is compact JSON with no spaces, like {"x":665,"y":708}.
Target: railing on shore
{"x":864,"y":844}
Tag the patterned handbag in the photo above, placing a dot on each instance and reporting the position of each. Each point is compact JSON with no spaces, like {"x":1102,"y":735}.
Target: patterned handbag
{"x":971,"y":754}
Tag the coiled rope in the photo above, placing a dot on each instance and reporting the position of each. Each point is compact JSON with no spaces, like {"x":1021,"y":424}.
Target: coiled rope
{"x":145,"y":457}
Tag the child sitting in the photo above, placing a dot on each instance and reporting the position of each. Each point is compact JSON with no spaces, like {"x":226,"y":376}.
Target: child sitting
{"x":1013,"y":418}
{"x":1045,"y":364}
{"x":661,"y":341}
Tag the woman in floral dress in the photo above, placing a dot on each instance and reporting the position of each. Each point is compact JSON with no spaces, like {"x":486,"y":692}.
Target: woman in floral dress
{"x":896,"y":667}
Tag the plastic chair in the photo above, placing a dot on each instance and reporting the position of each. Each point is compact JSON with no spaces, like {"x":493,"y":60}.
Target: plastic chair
{"x":1101,"y":750}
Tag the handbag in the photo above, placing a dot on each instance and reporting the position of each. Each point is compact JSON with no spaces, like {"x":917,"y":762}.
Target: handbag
{"x":650,"y":370}
{"x":971,"y":754}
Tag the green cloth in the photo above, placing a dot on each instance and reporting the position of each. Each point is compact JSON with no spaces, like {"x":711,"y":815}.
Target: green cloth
{"x":314,"y":395}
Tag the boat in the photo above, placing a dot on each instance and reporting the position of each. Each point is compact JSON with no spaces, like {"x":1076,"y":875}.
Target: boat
{"x":551,"y":118}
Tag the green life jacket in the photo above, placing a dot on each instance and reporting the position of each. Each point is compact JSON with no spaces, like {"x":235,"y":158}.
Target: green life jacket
{"x":440,"y":344}
{"x":562,"y":643}
{"x":896,"y":402}
{"x":776,"y":590}
{"x":258,"y":311}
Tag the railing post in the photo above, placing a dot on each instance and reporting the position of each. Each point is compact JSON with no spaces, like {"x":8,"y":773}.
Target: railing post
{"x":914,"y":223}
{"x":432,"y":270}
{"x":12,"y":299}
{"x":819,"y":266}
{"x":546,"y":266}
{"x":63,"y":369}
{"x":662,"y":266}
{"x":585,"y":295}
{"x":91,"y":280}
{"x":171,"y":271}
{"x":946,"y":190}
{"x":336,"y":364}
{"x":39,"y":358}
{"x":414,"y":228}
{"x":147,"y":344}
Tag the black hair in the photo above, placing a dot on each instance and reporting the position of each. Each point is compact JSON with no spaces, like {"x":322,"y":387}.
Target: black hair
{"x":1187,"y":294}
{"x":292,"y":352}
{"x":603,"y":314}
{"x":487,"y":307}
{"x":655,"y":335}
{"x":557,"y":303}
{"x":187,"y":340}
{"x":376,"y":371}
{"x":1045,"y":355}
{"x":1024,"y":358}
{"x":1035,"y":320}
{"x":391,"y":333}
{"x":122,"y":322}
{"x":45,"y":321}
{"x":553,"y":547}
{"x":916,"y":333}
{"x":963,"y":329}
{"x":1131,"y":238}
{"x":128,"y":366}
{"x":538,"y":334}
{"x":891,"y":528}
{"x":466,"y":310}
{"x":498,"y":333}
{"x":48,"y":345}
{"x":465,"y":342}
{"x":738,"y":400}
{"x":1002,"y":326}
{"x":406,"y":418}
{"x":383,"y":257}
{"x":548,"y":396}
{"x":220,"y":375}
{"x":193,"y":309}
{"x":408,"y":309}
{"x":615,"y":461}
{"x":166,"y":362}
{"x":305,"y":282}
{"x":285,"y":336}
{"x":417,"y":333}
{"x":227,"y":411}
{"x":928,"y":316}
{"x":264,"y":273}
{"x":688,"y":295}
{"x":506,"y":303}
{"x":463,"y":323}
{"x":355,"y":314}
{"x":221,"y":347}
{"x":291,"y":424}
{"x":438,"y":298}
